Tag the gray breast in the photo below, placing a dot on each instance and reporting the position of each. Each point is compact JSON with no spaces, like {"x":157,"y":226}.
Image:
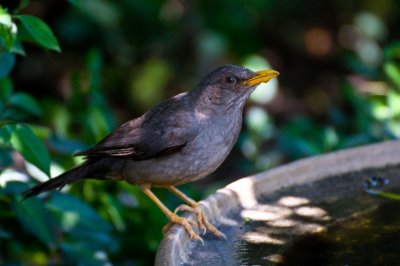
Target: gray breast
{"x":200,"y":157}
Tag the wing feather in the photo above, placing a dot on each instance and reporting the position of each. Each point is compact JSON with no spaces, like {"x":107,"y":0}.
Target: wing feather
{"x":165,"y":129}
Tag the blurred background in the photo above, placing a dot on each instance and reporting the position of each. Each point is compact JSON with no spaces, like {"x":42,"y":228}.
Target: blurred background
{"x":339,"y":87}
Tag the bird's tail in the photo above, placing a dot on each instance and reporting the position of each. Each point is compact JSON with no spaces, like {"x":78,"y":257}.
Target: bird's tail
{"x":71,"y":176}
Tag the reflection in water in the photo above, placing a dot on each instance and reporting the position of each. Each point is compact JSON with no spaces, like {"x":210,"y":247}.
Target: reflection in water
{"x":262,"y":237}
{"x":266,"y":213}
{"x":371,"y":238}
{"x":313,"y":212}
{"x":291,"y":201}
{"x":289,"y":216}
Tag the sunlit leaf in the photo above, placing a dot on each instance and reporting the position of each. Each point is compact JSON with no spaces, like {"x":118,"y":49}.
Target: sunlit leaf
{"x":25,"y":102}
{"x":41,"y":131}
{"x":7,"y":36}
{"x":7,"y":61}
{"x":5,"y":18}
{"x":394,"y":128}
{"x":8,"y":30}
{"x":35,"y":219}
{"x":257,"y":120}
{"x":381,"y":111}
{"x":393,"y":72}
{"x":147,"y":85}
{"x":40,"y":32}
{"x":30,"y":146}
{"x":330,"y":138}
{"x":59,"y":116}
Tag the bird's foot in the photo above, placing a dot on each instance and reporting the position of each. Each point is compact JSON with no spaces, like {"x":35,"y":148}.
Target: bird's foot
{"x":202,"y":220}
{"x":175,"y":219}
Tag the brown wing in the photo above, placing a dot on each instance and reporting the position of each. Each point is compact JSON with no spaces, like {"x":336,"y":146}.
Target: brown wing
{"x":166,"y":128}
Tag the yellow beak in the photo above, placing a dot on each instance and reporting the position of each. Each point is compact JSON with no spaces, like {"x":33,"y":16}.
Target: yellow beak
{"x":260,"y":77}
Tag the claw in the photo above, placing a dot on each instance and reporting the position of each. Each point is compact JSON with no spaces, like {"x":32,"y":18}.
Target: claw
{"x":202,"y":220}
{"x":198,"y":213}
{"x":222,"y":235}
{"x":175,"y":219}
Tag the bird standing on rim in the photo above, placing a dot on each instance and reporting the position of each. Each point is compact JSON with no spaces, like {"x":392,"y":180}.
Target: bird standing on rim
{"x":180,"y":140}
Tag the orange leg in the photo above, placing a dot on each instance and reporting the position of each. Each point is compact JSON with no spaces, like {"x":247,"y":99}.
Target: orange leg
{"x":173,"y":218}
{"x":194,"y":207}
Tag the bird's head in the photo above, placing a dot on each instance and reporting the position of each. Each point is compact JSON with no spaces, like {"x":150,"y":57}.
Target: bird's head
{"x":229,"y":86}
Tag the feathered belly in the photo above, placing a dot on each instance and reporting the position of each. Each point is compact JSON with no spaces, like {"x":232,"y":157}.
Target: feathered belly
{"x":200,"y":157}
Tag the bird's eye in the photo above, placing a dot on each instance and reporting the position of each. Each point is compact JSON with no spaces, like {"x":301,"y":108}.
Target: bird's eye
{"x":231,"y":80}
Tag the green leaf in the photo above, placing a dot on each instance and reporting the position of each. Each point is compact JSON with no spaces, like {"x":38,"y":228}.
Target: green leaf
{"x":17,"y":48}
{"x":7,"y":61}
{"x":97,"y":123}
{"x":393,"y":72}
{"x":30,"y":146}
{"x":5,"y":136}
{"x":7,"y":36}
{"x":392,"y":51}
{"x":147,"y":85}
{"x":8,"y":30}
{"x":5,"y":158}
{"x":5,"y":91}
{"x":35,"y":219}
{"x":40,"y":32}
{"x":41,"y":131}
{"x":6,"y":88}
{"x":393,"y":100}
{"x":13,"y":188}
{"x":25,"y":102}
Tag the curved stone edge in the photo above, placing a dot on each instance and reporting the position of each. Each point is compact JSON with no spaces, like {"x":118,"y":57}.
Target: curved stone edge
{"x":174,"y":247}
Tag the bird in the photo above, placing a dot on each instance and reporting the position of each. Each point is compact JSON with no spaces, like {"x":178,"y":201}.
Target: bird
{"x":180,"y":140}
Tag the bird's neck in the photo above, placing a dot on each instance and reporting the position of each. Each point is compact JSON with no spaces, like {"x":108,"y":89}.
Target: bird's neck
{"x":217,"y":104}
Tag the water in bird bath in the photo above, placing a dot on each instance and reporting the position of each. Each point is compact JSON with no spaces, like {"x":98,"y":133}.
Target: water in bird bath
{"x":372,"y":238}
{"x":330,"y":222}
